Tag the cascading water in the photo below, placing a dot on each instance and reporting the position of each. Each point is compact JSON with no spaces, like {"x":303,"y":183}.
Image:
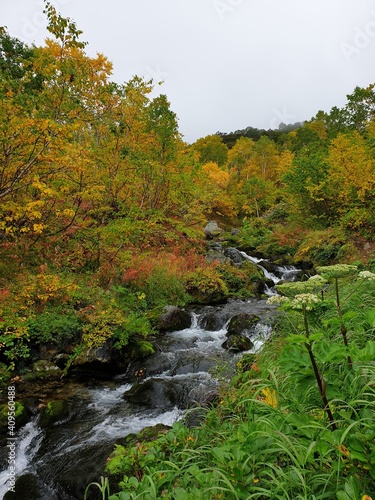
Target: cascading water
{"x":57,"y":463}
{"x":278,"y":273}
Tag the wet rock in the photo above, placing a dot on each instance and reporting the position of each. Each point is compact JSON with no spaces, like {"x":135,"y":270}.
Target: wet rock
{"x":191,"y":362}
{"x":155,"y":394}
{"x":230,"y":255}
{"x":98,"y":362}
{"x":27,"y":486}
{"x":173,"y":319}
{"x":216,"y":318}
{"x":164,"y":394}
{"x":32,"y":405}
{"x":238,"y":343}
{"x":212,"y":230}
{"x":240,"y":329}
{"x":53,"y":412}
{"x":242,"y":323}
{"x":234,"y":255}
{"x":195,"y":415}
{"x":72,"y":473}
{"x":212,"y":321}
{"x":154,"y":365}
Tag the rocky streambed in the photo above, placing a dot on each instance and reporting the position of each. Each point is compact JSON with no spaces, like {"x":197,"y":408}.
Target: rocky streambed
{"x":65,"y":444}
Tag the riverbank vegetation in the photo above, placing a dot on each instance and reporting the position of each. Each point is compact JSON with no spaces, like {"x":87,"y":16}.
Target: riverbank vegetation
{"x":297,"y":421}
{"x":103,"y":204}
{"x":102,"y":212}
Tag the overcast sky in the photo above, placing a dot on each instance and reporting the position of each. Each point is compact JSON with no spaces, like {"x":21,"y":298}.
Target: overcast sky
{"x":226,"y":64}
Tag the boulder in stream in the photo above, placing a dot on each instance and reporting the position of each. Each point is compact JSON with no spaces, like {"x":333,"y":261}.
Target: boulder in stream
{"x":242,"y":323}
{"x":240,"y":329}
{"x":173,"y":319}
{"x":156,"y":393}
{"x":98,"y":361}
{"x":53,"y":412}
{"x":238,"y":343}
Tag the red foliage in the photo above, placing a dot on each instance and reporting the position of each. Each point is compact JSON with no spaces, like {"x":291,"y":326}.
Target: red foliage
{"x":4,"y":294}
{"x":176,"y":260}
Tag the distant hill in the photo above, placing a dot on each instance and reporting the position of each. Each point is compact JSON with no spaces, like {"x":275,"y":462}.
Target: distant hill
{"x":255,"y":133}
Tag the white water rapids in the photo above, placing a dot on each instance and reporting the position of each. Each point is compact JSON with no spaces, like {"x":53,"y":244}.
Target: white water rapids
{"x":57,"y":463}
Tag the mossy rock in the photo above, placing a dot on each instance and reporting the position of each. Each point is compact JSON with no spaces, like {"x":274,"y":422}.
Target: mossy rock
{"x":44,"y":369}
{"x":53,"y":412}
{"x":21,"y":414}
{"x":146,"y":435}
{"x":238,"y":343}
{"x":243,"y":322}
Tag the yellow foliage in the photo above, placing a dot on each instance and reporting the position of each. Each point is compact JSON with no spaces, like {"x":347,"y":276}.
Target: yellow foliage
{"x":285,"y":162}
{"x":269,"y":397}
{"x":351,"y":168}
{"x":217,"y":174}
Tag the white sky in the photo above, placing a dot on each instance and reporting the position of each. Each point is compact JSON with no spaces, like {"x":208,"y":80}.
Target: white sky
{"x":226,"y":64}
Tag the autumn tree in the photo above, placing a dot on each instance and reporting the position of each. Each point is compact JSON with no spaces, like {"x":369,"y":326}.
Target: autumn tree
{"x":211,"y":149}
{"x":350,"y":182}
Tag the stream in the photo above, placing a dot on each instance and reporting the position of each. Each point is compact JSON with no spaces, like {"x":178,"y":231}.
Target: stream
{"x":57,"y":463}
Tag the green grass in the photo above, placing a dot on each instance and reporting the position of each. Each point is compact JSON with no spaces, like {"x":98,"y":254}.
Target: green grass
{"x":269,"y":437}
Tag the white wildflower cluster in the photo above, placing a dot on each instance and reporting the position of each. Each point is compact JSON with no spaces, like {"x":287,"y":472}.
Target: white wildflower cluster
{"x":276,"y":299}
{"x":305,"y":301}
{"x":337,"y":270}
{"x":318,"y":279}
{"x":294,"y":288}
{"x":367,"y":275}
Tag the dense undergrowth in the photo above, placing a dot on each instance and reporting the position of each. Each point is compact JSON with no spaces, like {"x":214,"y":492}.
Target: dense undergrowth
{"x":270,"y":435}
{"x":102,"y":212}
{"x":103,"y":204}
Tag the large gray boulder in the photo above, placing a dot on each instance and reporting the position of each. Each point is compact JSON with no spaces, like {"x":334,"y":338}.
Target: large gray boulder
{"x":173,"y":319}
{"x":99,"y":361}
{"x":212,"y":230}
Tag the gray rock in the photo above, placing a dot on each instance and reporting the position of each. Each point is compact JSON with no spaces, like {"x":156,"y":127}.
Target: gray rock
{"x":174,"y":319}
{"x":237,"y":343}
{"x":240,"y":329}
{"x":242,"y":323}
{"x":212,"y":229}
{"x":234,"y":255}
